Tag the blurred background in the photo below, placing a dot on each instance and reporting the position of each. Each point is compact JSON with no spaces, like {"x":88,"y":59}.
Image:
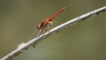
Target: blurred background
{"x":83,"y":41}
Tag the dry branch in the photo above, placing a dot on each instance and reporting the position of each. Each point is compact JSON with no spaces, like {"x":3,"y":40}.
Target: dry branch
{"x":34,"y":41}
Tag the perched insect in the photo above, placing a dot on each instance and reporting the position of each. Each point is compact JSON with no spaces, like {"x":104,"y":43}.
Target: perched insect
{"x":46,"y":23}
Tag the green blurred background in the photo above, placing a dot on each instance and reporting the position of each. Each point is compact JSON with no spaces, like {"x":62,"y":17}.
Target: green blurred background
{"x":83,"y":41}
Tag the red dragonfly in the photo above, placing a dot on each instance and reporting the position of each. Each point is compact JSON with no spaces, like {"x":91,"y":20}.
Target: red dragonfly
{"x":46,"y":23}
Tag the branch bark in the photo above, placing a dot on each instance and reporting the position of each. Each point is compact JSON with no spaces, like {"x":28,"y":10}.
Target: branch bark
{"x":34,"y":41}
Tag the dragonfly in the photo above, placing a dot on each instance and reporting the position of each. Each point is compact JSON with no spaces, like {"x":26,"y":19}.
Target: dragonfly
{"x":46,"y":23}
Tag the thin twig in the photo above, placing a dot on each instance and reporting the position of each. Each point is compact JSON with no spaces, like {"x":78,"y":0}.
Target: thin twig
{"x":34,"y":41}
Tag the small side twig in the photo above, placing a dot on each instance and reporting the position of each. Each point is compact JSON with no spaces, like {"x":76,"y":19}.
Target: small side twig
{"x":34,"y":41}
